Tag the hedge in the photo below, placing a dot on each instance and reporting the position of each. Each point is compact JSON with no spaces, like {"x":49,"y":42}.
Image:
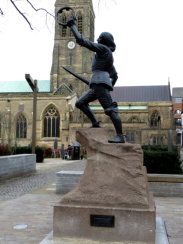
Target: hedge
{"x":28,"y":150}
{"x":4,"y":150}
{"x":160,"y":161}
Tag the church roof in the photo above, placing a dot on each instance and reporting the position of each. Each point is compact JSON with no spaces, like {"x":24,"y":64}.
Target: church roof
{"x":177,"y":92}
{"x":23,"y":86}
{"x":141,"y":93}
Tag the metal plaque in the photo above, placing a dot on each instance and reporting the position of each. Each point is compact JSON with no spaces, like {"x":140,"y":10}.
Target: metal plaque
{"x":102,"y":220}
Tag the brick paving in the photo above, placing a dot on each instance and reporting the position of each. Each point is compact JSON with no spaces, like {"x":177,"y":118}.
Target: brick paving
{"x":29,"y":201}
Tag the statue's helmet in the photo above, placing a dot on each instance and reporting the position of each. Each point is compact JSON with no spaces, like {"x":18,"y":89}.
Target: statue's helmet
{"x":107,"y":39}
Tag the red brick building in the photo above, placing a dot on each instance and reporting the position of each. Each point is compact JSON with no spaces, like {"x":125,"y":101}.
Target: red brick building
{"x":177,"y":99}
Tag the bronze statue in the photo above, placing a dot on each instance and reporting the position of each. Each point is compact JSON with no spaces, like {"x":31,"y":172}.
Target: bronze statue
{"x":104,"y":77}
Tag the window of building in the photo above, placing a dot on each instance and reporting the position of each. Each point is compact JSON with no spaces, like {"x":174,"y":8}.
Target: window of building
{"x":178,"y":122}
{"x":177,"y":111}
{"x":177,"y":99}
{"x":157,"y":140}
{"x":178,"y":138}
{"x":21,"y":127}
{"x":155,"y":119}
{"x":51,"y":122}
{"x":130,"y":137}
{"x":134,"y":119}
{"x":80,"y":22}
{"x":63,"y":20}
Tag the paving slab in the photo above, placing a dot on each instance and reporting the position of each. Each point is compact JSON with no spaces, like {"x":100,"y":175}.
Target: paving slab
{"x":35,"y":209}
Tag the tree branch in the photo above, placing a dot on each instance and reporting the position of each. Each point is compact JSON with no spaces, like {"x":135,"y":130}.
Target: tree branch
{"x":42,"y":9}
{"x":1,"y":12}
{"x":39,"y":9}
{"x":21,"y":14}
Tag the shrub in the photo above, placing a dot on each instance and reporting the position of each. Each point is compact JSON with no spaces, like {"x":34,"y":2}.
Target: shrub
{"x":28,"y":150}
{"x":162,"y":162}
{"x":158,"y":148}
{"x":22,"y":150}
{"x":39,"y":154}
{"x":4,"y":150}
{"x":47,"y":152}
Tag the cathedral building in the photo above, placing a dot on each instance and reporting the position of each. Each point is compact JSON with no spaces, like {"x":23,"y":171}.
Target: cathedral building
{"x":146,"y":112}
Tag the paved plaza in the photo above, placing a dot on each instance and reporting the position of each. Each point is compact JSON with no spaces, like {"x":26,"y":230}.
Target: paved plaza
{"x":26,"y":205}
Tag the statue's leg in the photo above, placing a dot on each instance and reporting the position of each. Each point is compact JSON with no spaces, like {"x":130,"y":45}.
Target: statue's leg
{"x":105,"y":100}
{"x":118,"y":127}
{"x":82,"y":104}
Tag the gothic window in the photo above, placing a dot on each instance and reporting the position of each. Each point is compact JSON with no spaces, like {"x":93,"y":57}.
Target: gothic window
{"x":155,"y":119}
{"x":154,"y":140}
{"x":63,"y":30}
{"x":157,"y":140}
{"x":134,"y":119}
{"x":70,"y":32}
{"x":51,"y":122}
{"x":130,"y":137}
{"x":21,"y":127}
{"x":80,"y":23}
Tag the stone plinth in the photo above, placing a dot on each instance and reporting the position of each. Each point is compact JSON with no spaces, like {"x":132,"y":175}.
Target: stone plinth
{"x":17,"y":165}
{"x":114,"y":184}
{"x":66,"y":180}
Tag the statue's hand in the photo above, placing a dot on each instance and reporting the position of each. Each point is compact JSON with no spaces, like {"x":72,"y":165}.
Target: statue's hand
{"x":71,"y":22}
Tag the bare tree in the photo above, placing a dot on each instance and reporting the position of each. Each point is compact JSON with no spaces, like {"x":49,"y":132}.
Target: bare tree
{"x":23,"y":14}
{"x":20,"y":9}
{"x":1,"y":12}
{"x":30,"y":4}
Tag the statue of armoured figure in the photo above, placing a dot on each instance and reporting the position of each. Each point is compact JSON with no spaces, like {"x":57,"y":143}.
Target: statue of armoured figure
{"x":103,"y":79}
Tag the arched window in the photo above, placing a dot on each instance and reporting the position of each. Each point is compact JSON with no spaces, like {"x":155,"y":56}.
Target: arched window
{"x":177,"y":111}
{"x":51,"y":122}
{"x":155,"y":119}
{"x":130,"y":137}
{"x":80,"y":22}
{"x":134,"y":119}
{"x":70,"y":17}
{"x":63,"y":20}
{"x":21,"y":127}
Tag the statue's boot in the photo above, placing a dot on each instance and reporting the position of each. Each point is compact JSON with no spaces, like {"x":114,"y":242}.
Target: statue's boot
{"x":118,"y":127}
{"x":95,"y":125}
{"x":89,"y":113}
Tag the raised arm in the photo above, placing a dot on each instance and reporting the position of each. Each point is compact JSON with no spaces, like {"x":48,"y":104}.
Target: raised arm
{"x":95,"y":47}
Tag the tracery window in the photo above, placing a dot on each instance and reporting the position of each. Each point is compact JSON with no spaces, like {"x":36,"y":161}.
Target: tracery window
{"x":130,"y":137}
{"x":80,"y":23}
{"x":21,"y":127}
{"x":70,"y":32}
{"x":155,"y":119}
{"x":157,"y":140}
{"x":134,"y":119}
{"x":63,"y":20}
{"x":51,"y":122}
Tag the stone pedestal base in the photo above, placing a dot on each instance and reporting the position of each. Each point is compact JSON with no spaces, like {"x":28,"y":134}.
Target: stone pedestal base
{"x":135,"y":225}
{"x":111,"y":202}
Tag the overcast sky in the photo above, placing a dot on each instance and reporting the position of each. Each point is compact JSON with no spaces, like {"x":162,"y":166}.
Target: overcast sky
{"x":148,"y":35}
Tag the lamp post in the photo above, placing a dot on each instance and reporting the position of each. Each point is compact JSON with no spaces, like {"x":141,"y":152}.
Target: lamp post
{"x":33,"y":84}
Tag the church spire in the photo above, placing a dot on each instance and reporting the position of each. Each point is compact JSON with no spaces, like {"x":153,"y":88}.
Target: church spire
{"x":66,"y":52}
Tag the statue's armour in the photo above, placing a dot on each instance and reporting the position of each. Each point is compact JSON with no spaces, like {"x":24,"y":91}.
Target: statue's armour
{"x":102,"y":65}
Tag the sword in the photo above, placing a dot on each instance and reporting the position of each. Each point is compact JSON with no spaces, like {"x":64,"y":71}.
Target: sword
{"x":77,"y":76}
